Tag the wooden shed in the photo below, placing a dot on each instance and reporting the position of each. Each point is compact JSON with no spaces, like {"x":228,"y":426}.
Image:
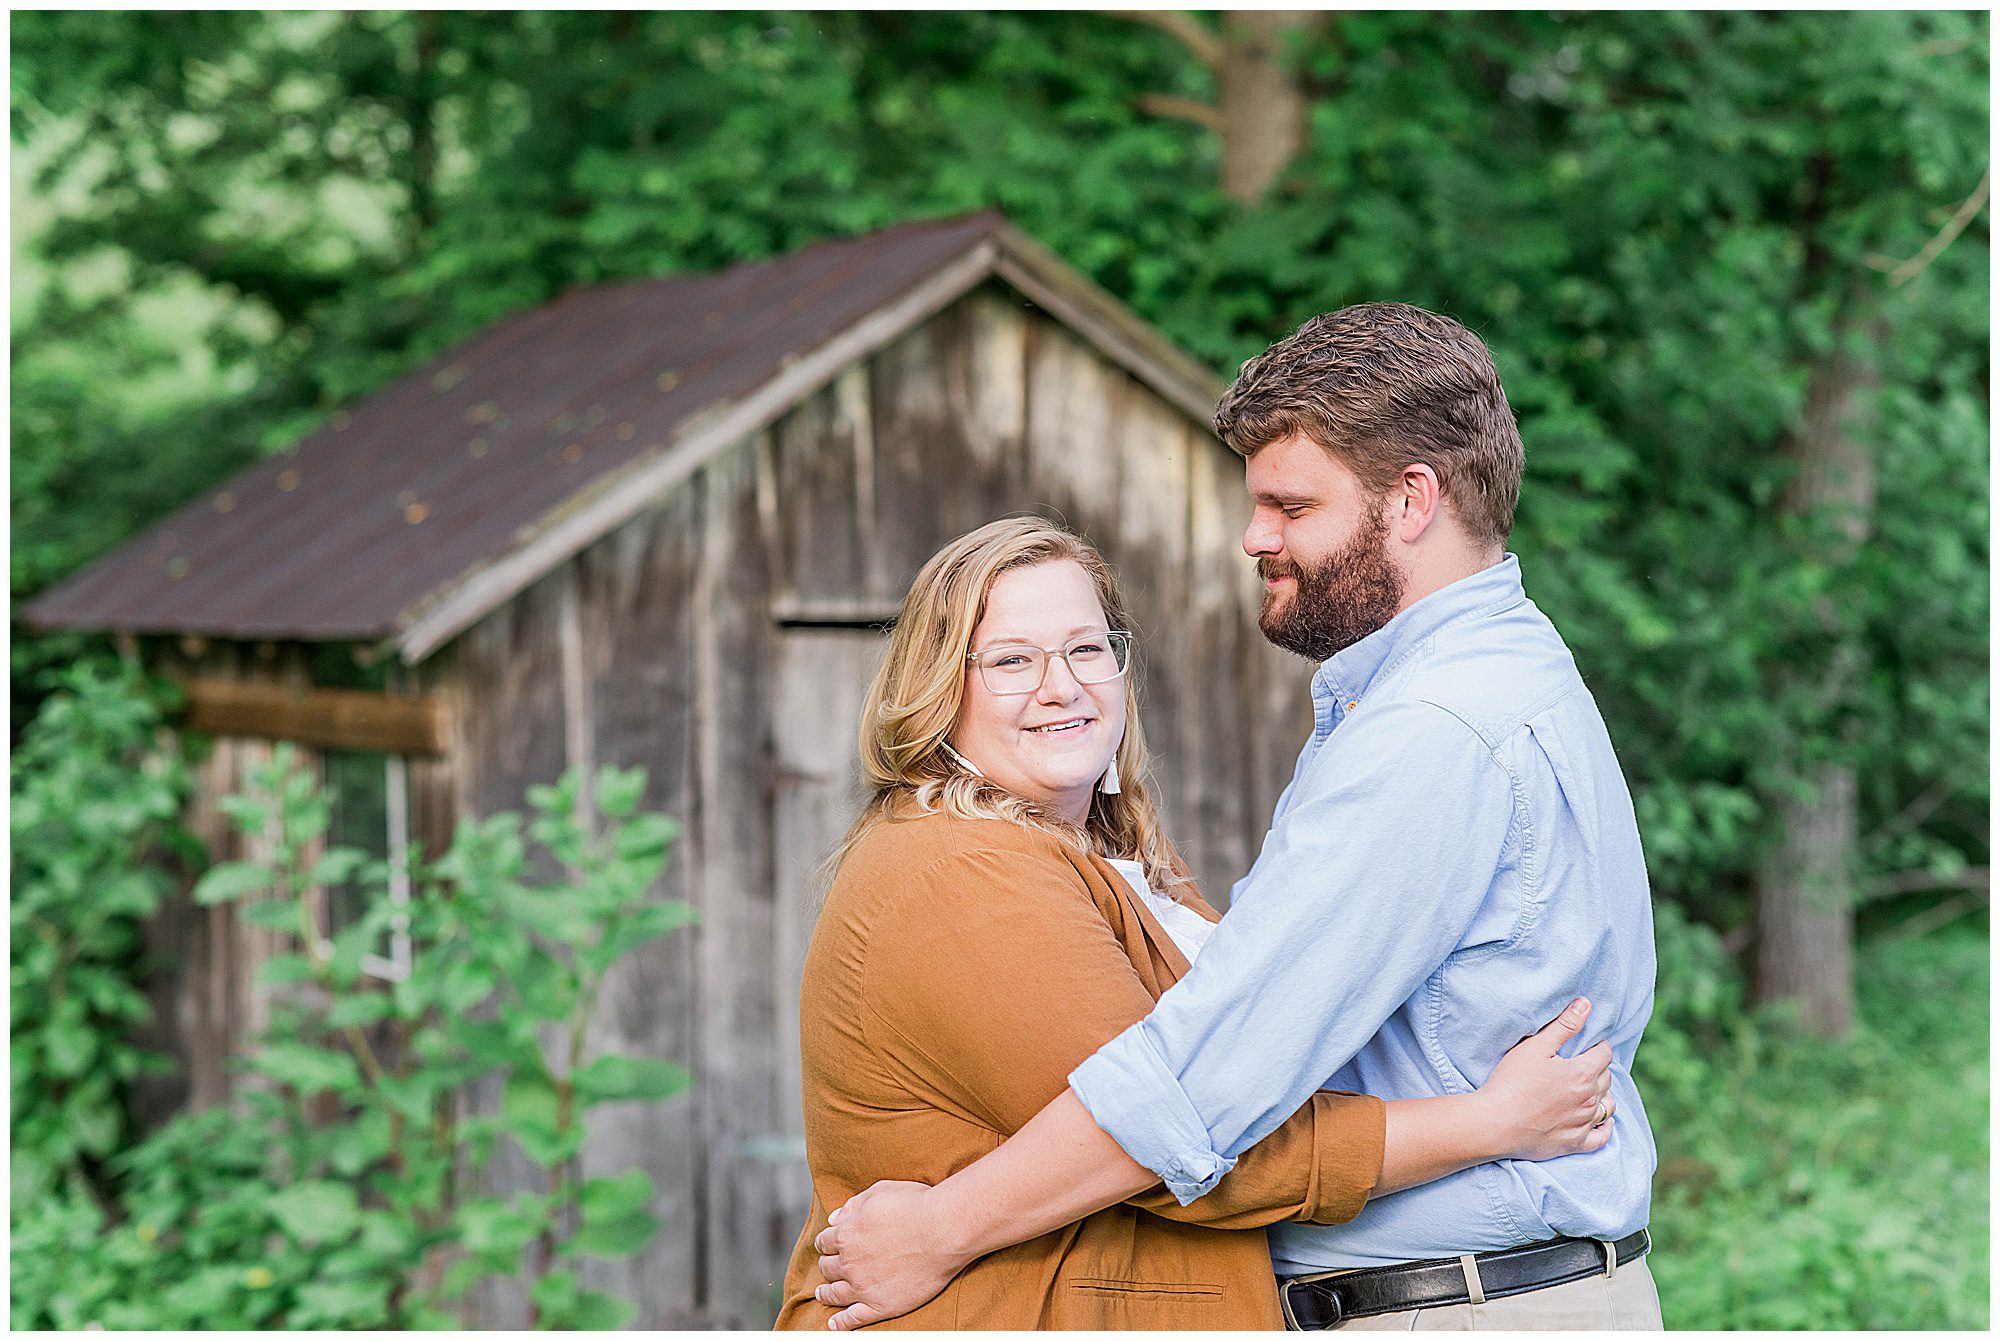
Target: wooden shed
{"x":663,"y":523}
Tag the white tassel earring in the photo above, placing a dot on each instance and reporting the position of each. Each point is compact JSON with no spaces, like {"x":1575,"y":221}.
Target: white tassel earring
{"x":973,"y":768}
{"x":1108,"y":784}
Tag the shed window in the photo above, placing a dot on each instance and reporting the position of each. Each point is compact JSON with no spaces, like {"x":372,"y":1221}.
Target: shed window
{"x":371,"y":811}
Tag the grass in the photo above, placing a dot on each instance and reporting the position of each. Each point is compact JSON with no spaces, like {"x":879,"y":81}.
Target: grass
{"x":1806,"y":1184}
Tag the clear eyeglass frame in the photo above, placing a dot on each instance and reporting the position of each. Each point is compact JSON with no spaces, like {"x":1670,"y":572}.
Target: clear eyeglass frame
{"x":1027,"y":677}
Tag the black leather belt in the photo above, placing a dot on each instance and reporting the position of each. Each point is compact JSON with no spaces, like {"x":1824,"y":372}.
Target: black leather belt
{"x":1314,"y":1303}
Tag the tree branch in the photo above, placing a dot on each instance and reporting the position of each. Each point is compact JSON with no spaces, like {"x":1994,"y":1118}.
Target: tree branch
{"x":1184,"y":28}
{"x":1916,"y":882}
{"x":1927,"y":803}
{"x":1902,"y":272}
{"x":1932,"y":918}
{"x":1943,"y":46}
{"x":1184,"y":109}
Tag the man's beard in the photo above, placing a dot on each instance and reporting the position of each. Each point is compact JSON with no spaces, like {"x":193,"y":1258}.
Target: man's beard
{"x":1337,"y":602}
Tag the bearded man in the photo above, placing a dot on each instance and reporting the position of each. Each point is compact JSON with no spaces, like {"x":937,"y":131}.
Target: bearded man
{"x":1454,"y":860}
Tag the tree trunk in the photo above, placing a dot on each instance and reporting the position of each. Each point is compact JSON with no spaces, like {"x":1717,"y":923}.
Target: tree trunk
{"x":1264,"y":106}
{"x":1262,"y":113}
{"x":1805,"y":905}
{"x":1807,"y":884}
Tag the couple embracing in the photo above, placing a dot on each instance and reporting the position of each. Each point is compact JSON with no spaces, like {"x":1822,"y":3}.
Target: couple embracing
{"x":1047,"y":1086}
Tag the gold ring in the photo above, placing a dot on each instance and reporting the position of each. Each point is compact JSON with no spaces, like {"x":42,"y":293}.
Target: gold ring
{"x":1603,"y":1115}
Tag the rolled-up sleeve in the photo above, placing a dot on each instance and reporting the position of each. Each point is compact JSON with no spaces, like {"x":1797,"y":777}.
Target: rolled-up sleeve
{"x":1378,"y":870}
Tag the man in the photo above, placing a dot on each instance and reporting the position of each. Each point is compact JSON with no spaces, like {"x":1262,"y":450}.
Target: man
{"x":1455,"y":858}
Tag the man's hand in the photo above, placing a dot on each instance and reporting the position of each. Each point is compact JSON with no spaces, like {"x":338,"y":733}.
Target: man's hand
{"x":884,"y":1253}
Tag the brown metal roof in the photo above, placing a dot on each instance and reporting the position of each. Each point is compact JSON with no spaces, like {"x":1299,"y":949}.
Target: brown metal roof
{"x":390,"y":513}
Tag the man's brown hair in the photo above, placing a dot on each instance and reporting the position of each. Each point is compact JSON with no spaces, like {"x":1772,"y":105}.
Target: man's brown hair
{"x":1382,"y":386}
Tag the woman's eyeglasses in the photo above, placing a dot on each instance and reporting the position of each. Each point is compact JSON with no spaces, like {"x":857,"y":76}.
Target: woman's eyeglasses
{"x":1016,"y":668}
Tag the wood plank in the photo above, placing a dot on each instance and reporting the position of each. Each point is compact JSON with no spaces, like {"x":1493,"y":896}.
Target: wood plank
{"x":1224,"y":822}
{"x":635,"y":617}
{"x":820,"y":682}
{"x":743,"y":1241}
{"x":508,"y":671}
{"x":1072,"y":464}
{"x":346,"y":719}
{"x":1149,"y":552}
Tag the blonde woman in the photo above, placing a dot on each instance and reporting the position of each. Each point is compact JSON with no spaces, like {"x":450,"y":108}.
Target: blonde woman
{"x":1005,"y":904}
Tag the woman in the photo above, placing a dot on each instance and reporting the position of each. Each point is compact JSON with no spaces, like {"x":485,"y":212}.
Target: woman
{"x":1007,"y":903}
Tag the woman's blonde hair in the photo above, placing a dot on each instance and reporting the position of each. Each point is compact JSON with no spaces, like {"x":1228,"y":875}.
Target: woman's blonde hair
{"x":915,"y":699}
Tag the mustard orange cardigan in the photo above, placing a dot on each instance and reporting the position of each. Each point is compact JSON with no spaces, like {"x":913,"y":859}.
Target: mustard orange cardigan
{"x":960,"y":970}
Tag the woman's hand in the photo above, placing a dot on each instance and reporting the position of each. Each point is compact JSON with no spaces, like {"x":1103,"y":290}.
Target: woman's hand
{"x":883,"y":1254}
{"x":1547,"y":1104}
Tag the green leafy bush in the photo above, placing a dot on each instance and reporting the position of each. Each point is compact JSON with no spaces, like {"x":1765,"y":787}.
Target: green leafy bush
{"x":340,"y":1189}
{"x":94,"y":792}
{"x":1813,"y":1185}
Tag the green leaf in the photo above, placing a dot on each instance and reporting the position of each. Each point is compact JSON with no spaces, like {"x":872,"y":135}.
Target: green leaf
{"x":271,"y":915}
{"x":232,"y":880}
{"x":354,"y":1145}
{"x":649,"y":922}
{"x":555,"y":1295}
{"x":596,"y":1311}
{"x":70,"y":1048}
{"x":646,"y":837}
{"x":280,"y":970}
{"x":529,"y":1097}
{"x":614,"y":1238}
{"x":410,"y":1095}
{"x":353,"y":1302}
{"x":306,"y":1068}
{"x":619,"y":790}
{"x":497,"y":1229}
{"x":609,"y":1198}
{"x":548,"y":1146}
{"x":607,"y":1078}
{"x":362,"y":1008}
{"x":316,"y":1212}
{"x":464,"y":985}
{"x":335,"y":865}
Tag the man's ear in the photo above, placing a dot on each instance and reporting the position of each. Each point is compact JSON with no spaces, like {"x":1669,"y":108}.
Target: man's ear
{"x":1419,"y":499}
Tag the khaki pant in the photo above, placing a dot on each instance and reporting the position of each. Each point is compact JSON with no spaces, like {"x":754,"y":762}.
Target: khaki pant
{"x":1625,"y":1301}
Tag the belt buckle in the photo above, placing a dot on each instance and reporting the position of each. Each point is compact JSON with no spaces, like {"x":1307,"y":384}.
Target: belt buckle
{"x":1332,"y":1297}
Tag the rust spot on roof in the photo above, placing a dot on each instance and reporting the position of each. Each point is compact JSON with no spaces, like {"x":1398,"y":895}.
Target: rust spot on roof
{"x":225,"y":501}
{"x":416,"y":512}
{"x":288,"y":480}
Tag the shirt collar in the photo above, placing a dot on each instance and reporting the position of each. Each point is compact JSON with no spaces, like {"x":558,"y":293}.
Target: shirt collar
{"x":1348,"y":673}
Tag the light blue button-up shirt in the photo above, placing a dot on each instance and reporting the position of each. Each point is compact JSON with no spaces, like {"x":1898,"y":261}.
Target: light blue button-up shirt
{"x":1454,"y":861}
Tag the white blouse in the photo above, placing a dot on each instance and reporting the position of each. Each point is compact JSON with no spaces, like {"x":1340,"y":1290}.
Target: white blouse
{"x":1189,"y":928}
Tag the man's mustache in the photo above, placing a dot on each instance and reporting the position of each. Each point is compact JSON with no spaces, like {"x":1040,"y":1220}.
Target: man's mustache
{"x":1270,"y":568}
